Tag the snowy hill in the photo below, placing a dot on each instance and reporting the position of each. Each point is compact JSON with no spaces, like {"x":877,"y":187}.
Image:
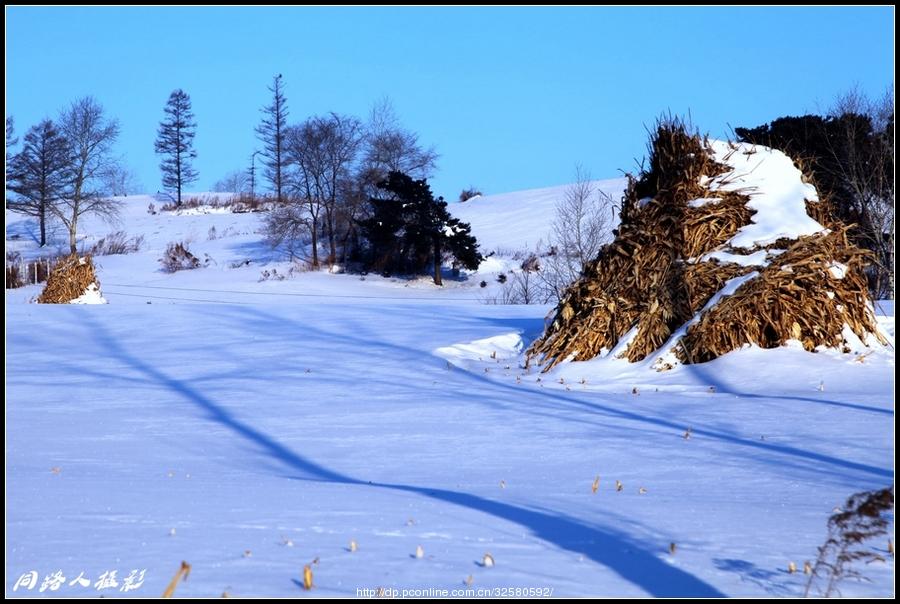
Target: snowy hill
{"x":522,"y":219}
{"x":252,"y":425}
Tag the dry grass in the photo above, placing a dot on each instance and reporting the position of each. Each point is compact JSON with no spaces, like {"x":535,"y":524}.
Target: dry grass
{"x":236,"y":204}
{"x":20,"y":273}
{"x":180,"y":575}
{"x":117,"y":243}
{"x":69,"y":279}
{"x":14,"y":276}
{"x":794,"y":298}
{"x":178,"y":258}
{"x":649,"y":279}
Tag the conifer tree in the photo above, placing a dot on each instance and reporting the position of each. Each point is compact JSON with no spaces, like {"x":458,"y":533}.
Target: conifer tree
{"x":410,"y":231}
{"x":271,"y":131}
{"x":40,"y":173}
{"x":175,"y":142}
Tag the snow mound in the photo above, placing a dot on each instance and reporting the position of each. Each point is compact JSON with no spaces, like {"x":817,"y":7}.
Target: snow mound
{"x":504,"y":346}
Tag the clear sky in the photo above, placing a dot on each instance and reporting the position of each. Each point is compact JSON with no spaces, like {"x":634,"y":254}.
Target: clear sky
{"x":512,"y":98}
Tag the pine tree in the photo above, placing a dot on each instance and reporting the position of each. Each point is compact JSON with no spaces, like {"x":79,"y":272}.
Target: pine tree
{"x":410,"y":230}
{"x":40,"y":173}
{"x":271,"y":132}
{"x":175,"y":142}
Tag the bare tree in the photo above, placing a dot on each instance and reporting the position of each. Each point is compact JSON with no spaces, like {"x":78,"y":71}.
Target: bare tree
{"x":342,"y":140}
{"x":236,"y":181}
{"x":305,"y":150}
{"x":39,"y":174}
{"x":581,"y":225}
{"x":90,"y":136}
{"x":525,"y":286}
{"x":323,"y":151}
{"x":288,"y":225}
{"x":175,"y":142}
{"x":119,"y":180}
{"x":863,"y":154}
{"x":386,"y":146}
{"x":272,"y":131}
{"x":391,"y":148}
{"x":11,"y":138}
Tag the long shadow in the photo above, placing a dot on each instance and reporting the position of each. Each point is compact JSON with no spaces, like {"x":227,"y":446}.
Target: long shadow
{"x":255,"y":314}
{"x":770,"y":581}
{"x":708,"y":377}
{"x":700,"y":431}
{"x":602,"y":545}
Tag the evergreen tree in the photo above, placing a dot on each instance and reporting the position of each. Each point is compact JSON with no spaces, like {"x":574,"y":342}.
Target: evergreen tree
{"x":40,"y":173}
{"x":271,"y":132}
{"x":410,"y":230}
{"x":175,"y":142}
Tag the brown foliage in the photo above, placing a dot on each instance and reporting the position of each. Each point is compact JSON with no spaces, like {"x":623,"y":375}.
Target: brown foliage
{"x":849,"y":531}
{"x":68,"y":280}
{"x":178,"y":258}
{"x":650,"y":279}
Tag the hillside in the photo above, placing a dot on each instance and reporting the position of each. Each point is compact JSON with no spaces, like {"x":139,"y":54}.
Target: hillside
{"x":236,"y":257}
{"x":522,"y":219}
{"x":251,"y":427}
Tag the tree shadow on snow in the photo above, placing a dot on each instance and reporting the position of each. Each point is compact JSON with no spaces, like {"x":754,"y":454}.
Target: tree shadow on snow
{"x":604,"y":545}
{"x":526,"y":399}
{"x":768,"y":580}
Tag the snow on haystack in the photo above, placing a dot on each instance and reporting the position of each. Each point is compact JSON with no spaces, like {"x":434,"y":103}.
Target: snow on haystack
{"x":74,"y":281}
{"x":91,"y":295}
{"x":690,"y":275}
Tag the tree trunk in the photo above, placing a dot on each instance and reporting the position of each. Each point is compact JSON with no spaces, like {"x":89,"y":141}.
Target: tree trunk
{"x":72,"y":231}
{"x":315,"y":244}
{"x":331,"y":243}
{"x":437,"y":261}
{"x":43,"y":221}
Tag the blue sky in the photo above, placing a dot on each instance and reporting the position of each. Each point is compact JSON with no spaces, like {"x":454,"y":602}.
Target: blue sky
{"x":512,"y":98}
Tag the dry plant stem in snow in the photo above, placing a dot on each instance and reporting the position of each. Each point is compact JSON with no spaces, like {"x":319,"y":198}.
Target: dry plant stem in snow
{"x":652,"y":280}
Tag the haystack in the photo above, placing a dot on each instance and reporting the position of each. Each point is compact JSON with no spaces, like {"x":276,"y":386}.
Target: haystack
{"x":72,"y":281}
{"x":720,"y":245}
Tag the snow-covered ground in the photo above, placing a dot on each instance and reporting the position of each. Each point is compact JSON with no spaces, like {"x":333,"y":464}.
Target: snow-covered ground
{"x":253,"y":427}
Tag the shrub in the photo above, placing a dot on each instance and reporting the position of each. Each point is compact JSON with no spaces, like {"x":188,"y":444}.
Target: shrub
{"x":861,"y":519}
{"x":14,"y":276}
{"x":468,"y":194}
{"x":273,"y":275}
{"x":178,"y":258}
{"x":117,"y":243}
{"x":237,"y":204}
{"x":531,"y":264}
